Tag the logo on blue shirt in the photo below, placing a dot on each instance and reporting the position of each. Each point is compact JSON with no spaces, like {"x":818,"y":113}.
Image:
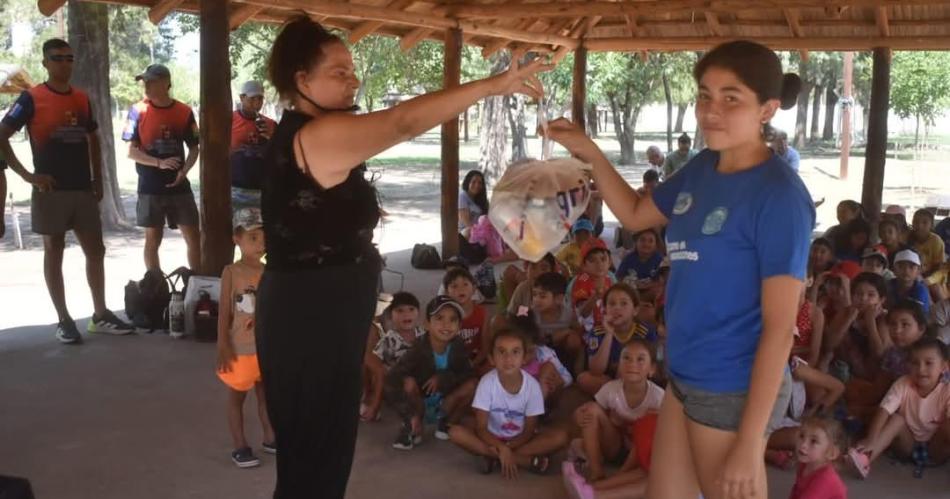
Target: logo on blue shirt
{"x":715,"y":220}
{"x":683,"y":203}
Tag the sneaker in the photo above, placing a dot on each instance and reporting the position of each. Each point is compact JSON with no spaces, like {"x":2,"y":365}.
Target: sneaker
{"x":245,"y":458}
{"x":442,"y":429}
{"x":269,"y":447}
{"x":406,"y":440}
{"x":67,"y":332}
{"x":860,"y":461}
{"x":108,"y":323}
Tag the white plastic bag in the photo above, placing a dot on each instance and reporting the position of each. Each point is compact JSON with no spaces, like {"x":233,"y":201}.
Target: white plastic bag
{"x":535,"y":203}
{"x":196,"y":284}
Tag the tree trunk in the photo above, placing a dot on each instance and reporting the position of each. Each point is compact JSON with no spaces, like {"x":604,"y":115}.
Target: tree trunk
{"x":593,"y":121}
{"x":831,"y":100}
{"x":815,"y":109}
{"x":680,"y":114}
{"x":514,"y":111}
{"x":669,"y":113}
{"x":89,"y":36}
{"x":492,"y":132}
{"x":801,"y":119}
{"x":623,"y":129}
{"x":917,"y":134}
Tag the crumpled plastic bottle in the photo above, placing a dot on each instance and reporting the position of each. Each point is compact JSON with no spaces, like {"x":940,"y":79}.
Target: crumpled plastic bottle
{"x":535,"y":203}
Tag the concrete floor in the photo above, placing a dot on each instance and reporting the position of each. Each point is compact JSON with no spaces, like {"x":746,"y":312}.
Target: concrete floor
{"x":143,"y":417}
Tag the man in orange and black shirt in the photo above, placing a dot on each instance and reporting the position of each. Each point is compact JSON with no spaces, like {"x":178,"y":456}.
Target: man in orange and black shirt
{"x":157,"y":129}
{"x":67,"y":182}
{"x":250,"y":133}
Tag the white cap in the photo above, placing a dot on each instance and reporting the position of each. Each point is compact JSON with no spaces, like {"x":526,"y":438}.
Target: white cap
{"x":252,"y":88}
{"x":907,"y":256}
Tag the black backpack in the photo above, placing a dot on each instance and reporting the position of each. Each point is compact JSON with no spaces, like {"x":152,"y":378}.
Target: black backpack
{"x":147,"y":300}
{"x":425,"y":256}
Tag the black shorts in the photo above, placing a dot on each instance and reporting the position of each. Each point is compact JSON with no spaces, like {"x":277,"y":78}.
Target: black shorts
{"x":154,"y":210}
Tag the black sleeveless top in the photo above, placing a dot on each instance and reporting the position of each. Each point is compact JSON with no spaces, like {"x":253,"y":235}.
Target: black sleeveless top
{"x":305,"y":225}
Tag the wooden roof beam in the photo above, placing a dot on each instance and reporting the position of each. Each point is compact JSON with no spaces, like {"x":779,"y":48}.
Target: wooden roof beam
{"x":411,"y":39}
{"x":477,"y":10}
{"x":578,"y":32}
{"x":793,"y":18}
{"x":369,"y":27}
{"x":49,"y":7}
{"x":241,"y":14}
{"x":880,"y":18}
{"x":501,"y":43}
{"x":632,"y":26}
{"x":713,"y":21}
{"x":162,"y":9}
{"x":853,"y":43}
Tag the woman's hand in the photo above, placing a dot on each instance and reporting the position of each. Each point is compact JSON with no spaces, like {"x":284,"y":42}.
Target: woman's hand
{"x":521,"y":80}
{"x":225,"y":358}
{"x":741,"y":470}
{"x":573,"y":138}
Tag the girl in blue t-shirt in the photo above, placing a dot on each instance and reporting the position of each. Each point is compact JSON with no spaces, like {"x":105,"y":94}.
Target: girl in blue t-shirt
{"x":739,"y":222}
{"x":640,"y":267}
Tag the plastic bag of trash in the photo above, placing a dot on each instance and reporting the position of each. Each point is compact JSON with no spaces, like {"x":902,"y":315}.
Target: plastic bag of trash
{"x":535,"y":203}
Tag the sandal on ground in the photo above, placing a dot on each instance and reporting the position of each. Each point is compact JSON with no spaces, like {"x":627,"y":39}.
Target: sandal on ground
{"x":860,"y":461}
{"x":540,"y":464}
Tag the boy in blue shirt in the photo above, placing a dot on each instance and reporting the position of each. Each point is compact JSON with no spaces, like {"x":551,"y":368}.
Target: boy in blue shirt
{"x":907,"y":284}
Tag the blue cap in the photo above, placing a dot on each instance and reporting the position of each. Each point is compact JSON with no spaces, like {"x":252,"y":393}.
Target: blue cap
{"x":582,"y":224}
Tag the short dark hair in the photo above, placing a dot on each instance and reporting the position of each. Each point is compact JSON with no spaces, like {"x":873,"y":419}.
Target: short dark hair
{"x":552,"y":282}
{"x":549,"y":259}
{"x":651,"y":176}
{"x":595,"y":250}
{"x":454,"y":274}
{"x":927,"y":342}
{"x":912,"y":307}
{"x":858,"y":226}
{"x":624,"y":288}
{"x":925,"y":212}
{"x":823,"y":241}
{"x":402,"y":298}
{"x":853,"y":206}
{"x":642,"y":342}
{"x":683,"y":139}
{"x":509,"y":332}
{"x":54,"y":44}
{"x":874,"y":280}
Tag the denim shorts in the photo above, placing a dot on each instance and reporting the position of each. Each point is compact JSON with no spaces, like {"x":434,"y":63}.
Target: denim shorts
{"x":723,"y":411}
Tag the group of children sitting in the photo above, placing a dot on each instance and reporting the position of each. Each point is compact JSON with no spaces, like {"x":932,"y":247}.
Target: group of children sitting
{"x":867,"y":362}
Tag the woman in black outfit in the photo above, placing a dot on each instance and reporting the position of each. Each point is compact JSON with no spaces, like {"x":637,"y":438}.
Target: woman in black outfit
{"x":318,"y":292}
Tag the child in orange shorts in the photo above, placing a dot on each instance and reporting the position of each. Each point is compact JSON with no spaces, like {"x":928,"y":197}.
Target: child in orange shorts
{"x":237,"y":353}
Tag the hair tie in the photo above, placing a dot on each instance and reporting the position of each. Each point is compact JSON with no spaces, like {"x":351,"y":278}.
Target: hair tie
{"x":523,"y":311}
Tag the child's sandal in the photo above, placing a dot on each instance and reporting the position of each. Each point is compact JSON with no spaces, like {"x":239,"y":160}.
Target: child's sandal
{"x":540,"y":464}
{"x":860,"y":461}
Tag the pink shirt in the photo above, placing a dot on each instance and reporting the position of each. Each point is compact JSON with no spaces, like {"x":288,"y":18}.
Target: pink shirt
{"x":823,"y":483}
{"x":922,"y":414}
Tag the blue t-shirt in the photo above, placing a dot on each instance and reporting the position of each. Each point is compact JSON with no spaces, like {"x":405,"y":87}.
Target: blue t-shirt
{"x":632,"y":266}
{"x":792,"y":158}
{"x":918,"y":292}
{"x":442,"y":359}
{"x":595,"y":339}
{"x":726,"y":234}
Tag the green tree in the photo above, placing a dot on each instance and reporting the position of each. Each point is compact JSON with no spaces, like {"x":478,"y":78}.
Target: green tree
{"x":920,"y":86}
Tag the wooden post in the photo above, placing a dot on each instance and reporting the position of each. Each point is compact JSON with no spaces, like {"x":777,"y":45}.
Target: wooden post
{"x":876,"y":151}
{"x":465,"y":123}
{"x":579,"y":87}
{"x":215,"y":93}
{"x":450,"y":148}
{"x":846,"y":109}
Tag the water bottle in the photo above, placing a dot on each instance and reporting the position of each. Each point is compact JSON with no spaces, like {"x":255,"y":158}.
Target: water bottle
{"x":176,"y":315}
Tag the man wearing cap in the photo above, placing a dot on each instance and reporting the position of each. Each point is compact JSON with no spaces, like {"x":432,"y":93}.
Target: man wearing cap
{"x":907,"y":283}
{"x":157,"y":130}
{"x":67,"y":183}
{"x":250,"y":133}
{"x":678,"y":158}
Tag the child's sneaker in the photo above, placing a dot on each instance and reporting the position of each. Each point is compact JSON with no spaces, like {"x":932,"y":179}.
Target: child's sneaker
{"x":245,"y":458}
{"x":860,"y":461}
{"x":269,"y":447}
{"x":406,"y":440}
{"x":108,"y":323}
{"x":442,"y":428}
{"x":67,"y":333}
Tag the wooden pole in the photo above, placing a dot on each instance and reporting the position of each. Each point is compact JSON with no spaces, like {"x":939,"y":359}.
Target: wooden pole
{"x":450,"y":148}
{"x":215,"y":92}
{"x":465,"y":123}
{"x":876,"y":152}
{"x":579,"y":88}
{"x":846,"y":108}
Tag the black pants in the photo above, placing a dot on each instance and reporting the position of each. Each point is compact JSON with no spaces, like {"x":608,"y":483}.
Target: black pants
{"x":311,"y":335}
{"x":15,"y":488}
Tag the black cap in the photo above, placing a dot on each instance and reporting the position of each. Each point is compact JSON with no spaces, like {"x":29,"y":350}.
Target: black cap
{"x":404,"y":298}
{"x":440,"y":302}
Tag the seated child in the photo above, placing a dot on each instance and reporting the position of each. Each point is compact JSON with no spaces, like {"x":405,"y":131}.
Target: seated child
{"x":556,"y":320}
{"x":928,"y":245}
{"x":521,"y":295}
{"x":237,"y":351}
{"x":914,"y":417}
{"x":891,"y":234}
{"x":435,"y":370}
{"x":875,"y":261}
{"x":820,"y":443}
{"x":473,"y":330}
{"x":907,"y":283}
{"x":848,"y":210}
{"x":588,"y":288}
{"x":540,"y":360}
{"x":855,"y":334}
{"x":640,"y":267}
{"x":570,"y":254}
{"x":507,"y":404}
{"x":457,"y":263}
{"x":857,"y":239}
{"x":605,"y":421}
{"x":821,"y":257}
{"x":604,"y":345}
{"x":403,"y":312}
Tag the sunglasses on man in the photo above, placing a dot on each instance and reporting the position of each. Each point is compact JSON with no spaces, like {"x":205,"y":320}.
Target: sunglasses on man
{"x":61,"y":58}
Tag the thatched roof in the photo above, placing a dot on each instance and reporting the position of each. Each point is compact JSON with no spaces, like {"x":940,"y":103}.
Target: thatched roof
{"x":621,"y":25}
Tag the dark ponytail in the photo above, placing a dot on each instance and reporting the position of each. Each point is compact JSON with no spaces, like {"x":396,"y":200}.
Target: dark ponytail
{"x":298,"y":47}
{"x":757,"y":67}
